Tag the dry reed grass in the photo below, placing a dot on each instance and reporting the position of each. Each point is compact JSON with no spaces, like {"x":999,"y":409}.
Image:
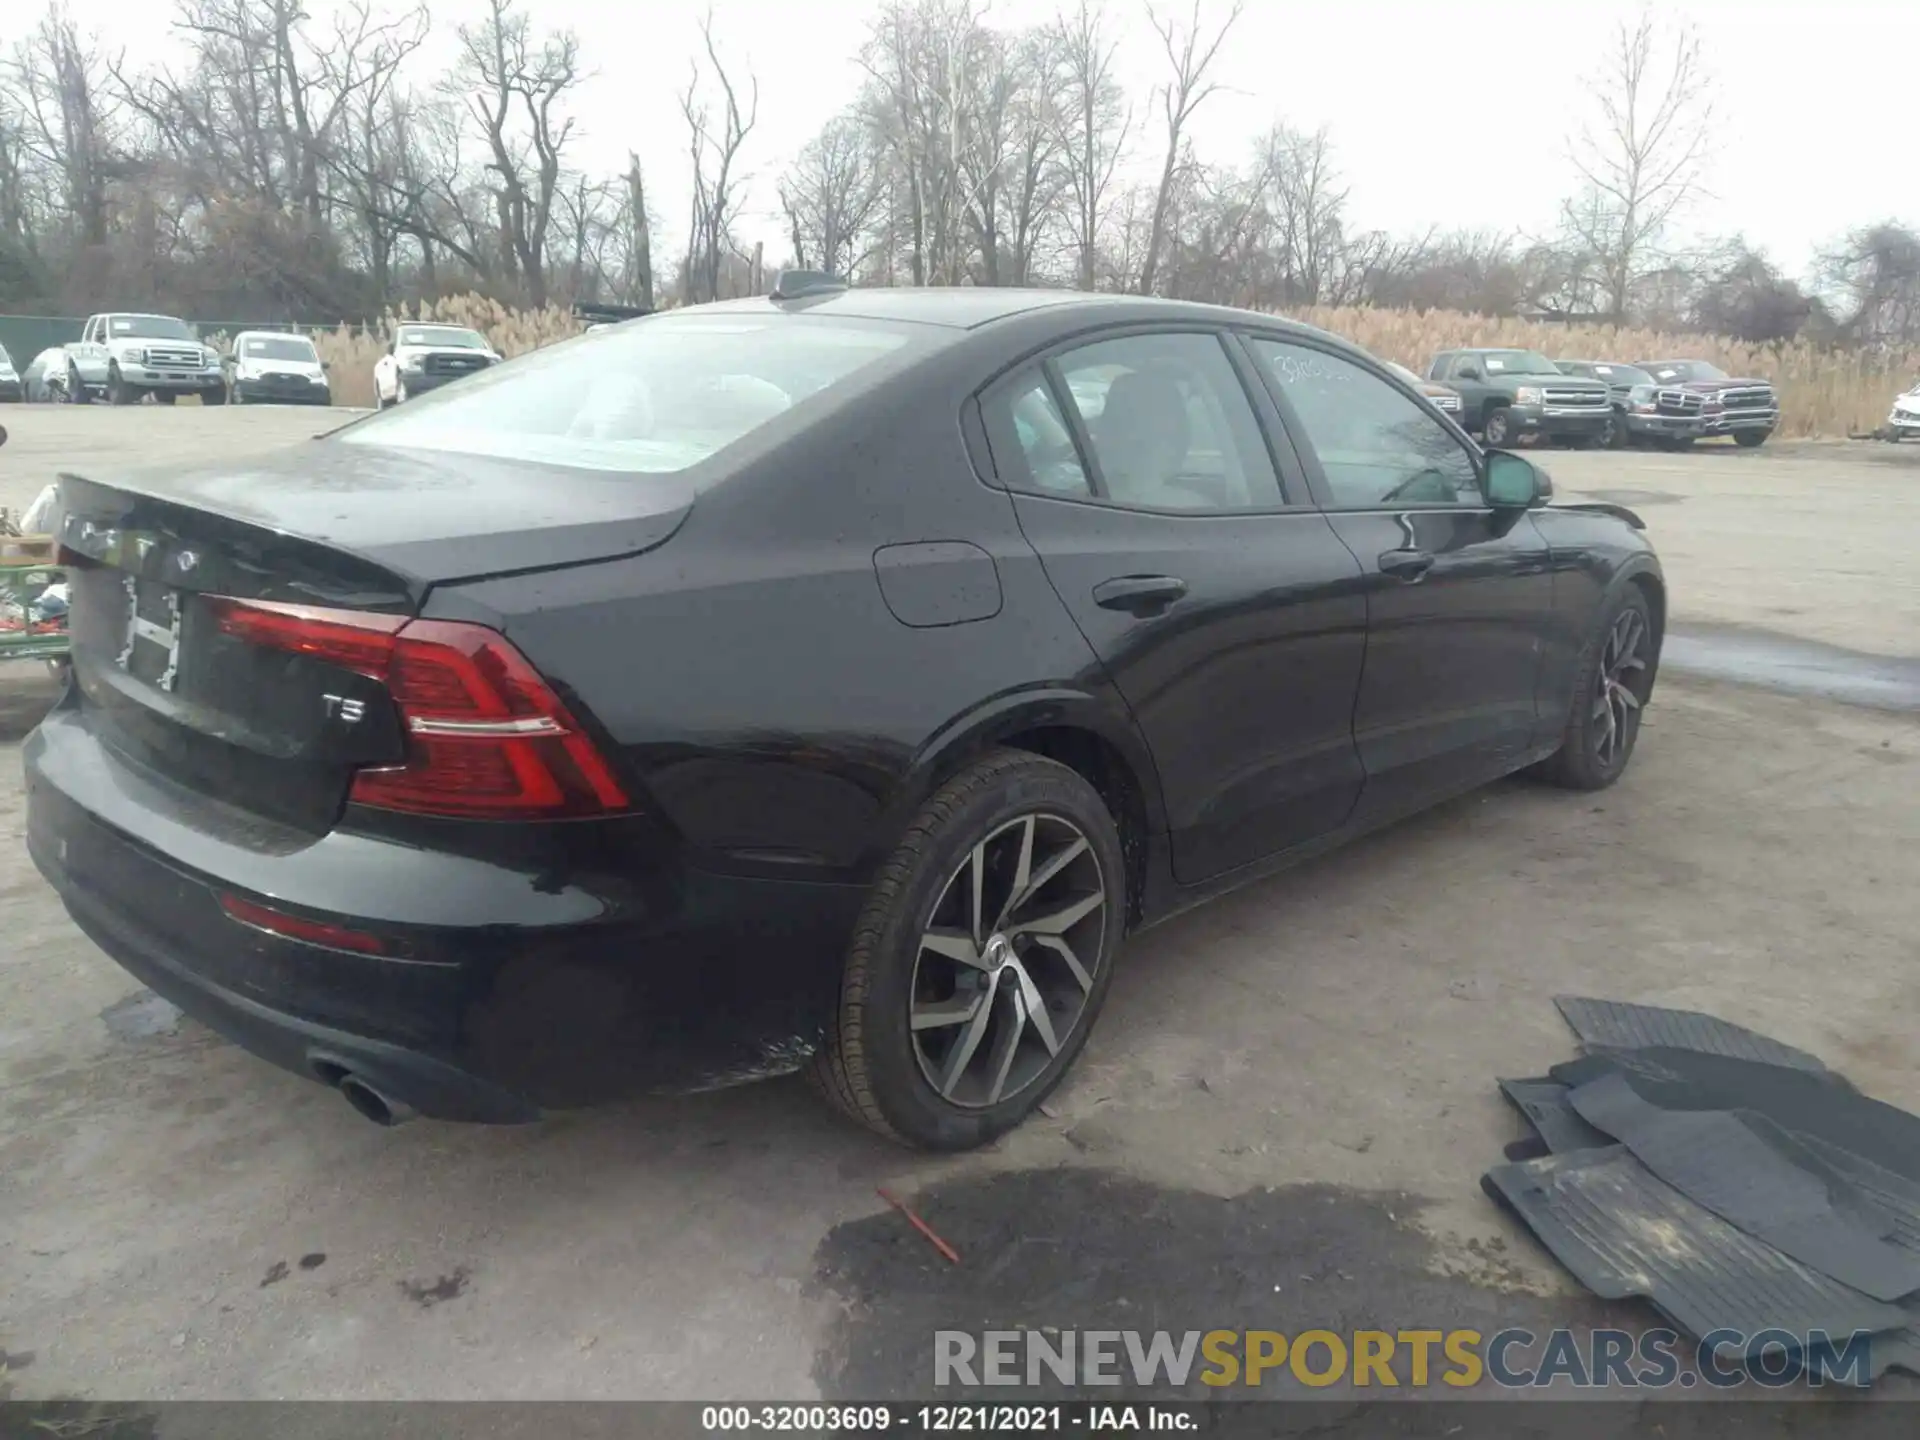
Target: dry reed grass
{"x":352,"y":351}
{"x":1822,"y":393}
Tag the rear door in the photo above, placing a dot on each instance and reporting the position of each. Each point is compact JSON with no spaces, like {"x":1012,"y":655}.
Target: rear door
{"x":1459,"y":596}
{"x":1223,"y":606}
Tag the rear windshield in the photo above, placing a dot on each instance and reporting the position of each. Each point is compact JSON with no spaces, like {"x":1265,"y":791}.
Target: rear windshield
{"x":1514,"y":362}
{"x":148,"y":327}
{"x":447,"y":337}
{"x":274,"y":347}
{"x":651,"y":398}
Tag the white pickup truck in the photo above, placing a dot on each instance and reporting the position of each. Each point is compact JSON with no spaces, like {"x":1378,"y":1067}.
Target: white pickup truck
{"x":124,"y":356}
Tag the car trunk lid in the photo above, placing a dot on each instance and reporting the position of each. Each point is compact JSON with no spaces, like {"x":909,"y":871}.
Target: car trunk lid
{"x":175,"y":684}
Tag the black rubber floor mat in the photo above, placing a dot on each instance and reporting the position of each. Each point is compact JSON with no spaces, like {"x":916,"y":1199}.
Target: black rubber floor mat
{"x":1796,"y":1100}
{"x":1616,"y":1025}
{"x":1752,"y":1174}
{"x":1895,"y":1195}
{"x":1544,"y":1104}
{"x":1624,"y":1232}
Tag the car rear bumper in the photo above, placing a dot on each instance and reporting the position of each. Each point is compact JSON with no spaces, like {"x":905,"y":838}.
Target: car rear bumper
{"x":260,"y":392}
{"x":1733,"y":422}
{"x":194,"y":381}
{"x":1669,"y":426}
{"x":418,"y":382}
{"x":512,"y":990}
{"x":1559,"y":420}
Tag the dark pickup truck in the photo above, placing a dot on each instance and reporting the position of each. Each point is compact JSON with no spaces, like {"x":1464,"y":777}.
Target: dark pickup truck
{"x":1505,"y":394}
{"x":1748,"y":410}
{"x":1644,"y":412}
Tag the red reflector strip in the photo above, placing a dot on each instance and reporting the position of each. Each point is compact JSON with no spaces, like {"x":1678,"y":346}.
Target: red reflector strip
{"x":292,"y":927}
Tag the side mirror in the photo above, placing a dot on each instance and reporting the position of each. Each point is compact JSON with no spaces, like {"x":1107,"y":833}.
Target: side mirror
{"x":1469,"y":372}
{"x":1515,"y":483}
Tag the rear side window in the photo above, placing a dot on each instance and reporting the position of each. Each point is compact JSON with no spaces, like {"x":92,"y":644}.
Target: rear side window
{"x":651,"y":398}
{"x":1170,"y":425}
{"x":1028,"y":429}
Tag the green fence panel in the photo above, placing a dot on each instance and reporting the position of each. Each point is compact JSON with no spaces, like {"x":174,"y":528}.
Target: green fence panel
{"x":25,"y":336}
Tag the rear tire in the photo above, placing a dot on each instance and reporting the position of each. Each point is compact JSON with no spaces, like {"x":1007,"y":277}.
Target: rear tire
{"x":925,"y":1041}
{"x":1614,"y":683}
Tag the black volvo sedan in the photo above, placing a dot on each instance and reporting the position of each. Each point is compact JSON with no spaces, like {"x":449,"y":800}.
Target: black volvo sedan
{"x":827,"y":681}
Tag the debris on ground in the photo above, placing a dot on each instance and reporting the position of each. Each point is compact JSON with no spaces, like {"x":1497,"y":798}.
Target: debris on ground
{"x":953,"y":1255}
{"x":1734,"y":1182}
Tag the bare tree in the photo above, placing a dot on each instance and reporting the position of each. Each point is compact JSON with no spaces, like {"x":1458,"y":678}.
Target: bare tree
{"x":67,"y":120}
{"x":717,"y":187}
{"x":1094,"y":122}
{"x":1872,"y":277}
{"x":365,"y":142}
{"x":1645,"y":159}
{"x":517,"y":88}
{"x":832,"y":198}
{"x":637,"y":284}
{"x":1184,"y":93}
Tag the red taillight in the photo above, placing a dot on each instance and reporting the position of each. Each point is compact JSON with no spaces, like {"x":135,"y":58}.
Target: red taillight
{"x":487,"y":739}
{"x":294,"y":927}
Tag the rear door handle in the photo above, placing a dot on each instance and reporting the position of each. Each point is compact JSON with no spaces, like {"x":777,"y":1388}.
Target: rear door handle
{"x":1139,"y":594}
{"x":1406,"y":564}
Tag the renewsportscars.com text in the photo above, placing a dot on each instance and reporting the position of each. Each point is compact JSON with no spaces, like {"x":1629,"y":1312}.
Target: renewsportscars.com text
{"x":1512,"y":1359}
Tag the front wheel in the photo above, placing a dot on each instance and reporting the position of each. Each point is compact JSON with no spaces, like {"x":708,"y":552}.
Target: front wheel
{"x":1750,"y":439}
{"x":1616,"y":436}
{"x":118,"y":391}
{"x":1615,"y":682}
{"x":982,"y":957}
{"x":1497,"y":428}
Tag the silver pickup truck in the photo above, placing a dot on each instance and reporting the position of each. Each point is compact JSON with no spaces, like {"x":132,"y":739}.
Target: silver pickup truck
{"x":124,"y":356}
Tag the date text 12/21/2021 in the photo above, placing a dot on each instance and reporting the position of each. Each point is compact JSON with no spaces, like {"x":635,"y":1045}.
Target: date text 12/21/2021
{"x":1083,"y":1418}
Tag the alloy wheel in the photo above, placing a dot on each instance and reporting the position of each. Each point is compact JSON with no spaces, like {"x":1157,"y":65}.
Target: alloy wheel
{"x":1619,"y":687}
{"x":1002,"y":979}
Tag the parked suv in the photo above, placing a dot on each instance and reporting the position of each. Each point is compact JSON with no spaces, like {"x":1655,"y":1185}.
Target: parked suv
{"x":1643,"y":411}
{"x":271,"y":367}
{"x":1747,"y":410}
{"x":1505,"y":394}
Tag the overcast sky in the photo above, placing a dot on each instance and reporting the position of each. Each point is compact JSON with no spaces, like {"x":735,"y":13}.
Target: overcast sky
{"x":1449,"y":113}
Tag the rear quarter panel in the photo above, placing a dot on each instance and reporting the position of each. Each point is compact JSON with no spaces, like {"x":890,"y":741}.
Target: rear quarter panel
{"x":770,"y":705}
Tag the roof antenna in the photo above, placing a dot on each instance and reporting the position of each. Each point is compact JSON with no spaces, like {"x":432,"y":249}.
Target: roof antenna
{"x":804,"y":284}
